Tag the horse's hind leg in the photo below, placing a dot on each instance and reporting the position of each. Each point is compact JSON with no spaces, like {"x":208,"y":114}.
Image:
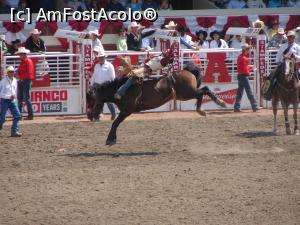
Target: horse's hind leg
{"x":206,"y":91}
{"x":199,"y":103}
{"x":296,"y":129}
{"x":275,"y":101}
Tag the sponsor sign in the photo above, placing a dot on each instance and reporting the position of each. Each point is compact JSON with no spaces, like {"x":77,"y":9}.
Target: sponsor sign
{"x":226,"y":92}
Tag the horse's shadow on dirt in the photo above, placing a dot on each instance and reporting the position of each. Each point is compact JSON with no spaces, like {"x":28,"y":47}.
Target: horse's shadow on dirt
{"x":256,"y":134}
{"x":113,"y":155}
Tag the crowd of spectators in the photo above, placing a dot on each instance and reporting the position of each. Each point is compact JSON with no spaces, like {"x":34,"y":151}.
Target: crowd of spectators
{"x":240,"y":4}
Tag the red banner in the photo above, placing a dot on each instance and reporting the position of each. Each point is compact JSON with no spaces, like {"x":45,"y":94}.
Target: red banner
{"x":261,"y":57}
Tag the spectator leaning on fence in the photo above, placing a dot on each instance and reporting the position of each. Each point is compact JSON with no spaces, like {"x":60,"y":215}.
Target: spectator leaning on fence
{"x":122,"y":40}
{"x":216,"y":41}
{"x":26,"y":75}
{"x":278,"y":39}
{"x":185,"y":39}
{"x":134,"y":38}
{"x":273,"y":29}
{"x":95,"y":39}
{"x":243,"y":69}
{"x":103,"y":71}
{"x":15,"y":45}
{"x":201,"y":39}
{"x":8,"y":94}
{"x":34,"y":43}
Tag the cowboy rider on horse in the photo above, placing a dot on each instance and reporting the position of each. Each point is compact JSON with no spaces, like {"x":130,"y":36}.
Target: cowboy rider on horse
{"x":152,"y":65}
{"x":289,"y":53}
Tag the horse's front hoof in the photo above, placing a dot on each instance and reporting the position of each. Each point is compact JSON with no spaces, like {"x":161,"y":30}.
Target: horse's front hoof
{"x":201,"y":112}
{"x":221,"y":103}
{"x":111,"y":142}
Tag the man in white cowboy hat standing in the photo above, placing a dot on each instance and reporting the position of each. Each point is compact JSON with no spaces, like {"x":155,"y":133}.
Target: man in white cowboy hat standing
{"x":289,"y":52}
{"x":95,"y":39}
{"x":103,"y":71}
{"x":26,"y":74}
{"x":8,"y":93}
{"x":34,"y":43}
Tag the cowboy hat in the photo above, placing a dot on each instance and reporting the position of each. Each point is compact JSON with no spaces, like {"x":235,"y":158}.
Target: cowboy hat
{"x":291,"y":33}
{"x":134,"y":24}
{"x":99,"y":51}
{"x":17,"y":41}
{"x":213,"y":33}
{"x":245,"y":46}
{"x":201,"y":32}
{"x":297,"y":29}
{"x":261,"y":23}
{"x":22,"y":50}
{"x":171,"y":24}
{"x":94,"y":32}
{"x":9,"y":69}
{"x":35,"y":31}
{"x":280,"y":31}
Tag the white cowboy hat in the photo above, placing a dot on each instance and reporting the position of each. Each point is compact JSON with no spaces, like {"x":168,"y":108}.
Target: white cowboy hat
{"x":99,"y":51}
{"x":134,"y":24}
{"x":297,"y":29}
{"x":22,"y":50}
{"x":9,"y":68}
{"x":280,"y":31}
{"x":258,"y":21}
{"x":291,"y":33}
{"x":171,"y":24}
{"x":95,"y":32}
{"x":35,"y":31}
{"x":245,"y":46}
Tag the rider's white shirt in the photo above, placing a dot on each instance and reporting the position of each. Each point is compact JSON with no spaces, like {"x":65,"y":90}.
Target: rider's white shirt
{"x":295,"y":49}
{"x":102,"y":73}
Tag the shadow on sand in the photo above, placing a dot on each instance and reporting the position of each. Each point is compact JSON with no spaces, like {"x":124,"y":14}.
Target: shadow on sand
{"x":256,"y":134}
{"x":124,"y":154}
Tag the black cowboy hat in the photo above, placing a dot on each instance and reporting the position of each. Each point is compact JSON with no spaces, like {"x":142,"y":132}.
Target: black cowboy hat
{"x":214,"y":32}
{"x":17,"y":41}
{"x":201,"y":32}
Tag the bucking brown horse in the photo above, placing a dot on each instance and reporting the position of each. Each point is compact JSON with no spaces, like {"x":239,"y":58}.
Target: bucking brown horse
{"x":150,"y":94}
{"x":287,"y":90}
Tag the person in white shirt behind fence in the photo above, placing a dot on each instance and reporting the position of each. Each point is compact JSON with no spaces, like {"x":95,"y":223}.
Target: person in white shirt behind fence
{"x":8,"y":93}
{"x":216,"y":41}
{"x":289,"y":52}
{"x":103,"y":71}
{"x":95,"y":39}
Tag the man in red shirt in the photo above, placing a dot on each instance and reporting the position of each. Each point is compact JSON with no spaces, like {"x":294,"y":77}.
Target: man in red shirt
{"x":26,"y":72}
{"x":243,"y":69}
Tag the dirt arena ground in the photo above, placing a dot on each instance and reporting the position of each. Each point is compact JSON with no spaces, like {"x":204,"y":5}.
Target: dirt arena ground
{"x":166,"y":169}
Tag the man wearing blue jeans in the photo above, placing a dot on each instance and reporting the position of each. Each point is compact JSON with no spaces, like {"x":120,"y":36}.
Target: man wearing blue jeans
{"x":243,"y":69}
{"x":8,"y":92}
{"x":26,"y":73}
